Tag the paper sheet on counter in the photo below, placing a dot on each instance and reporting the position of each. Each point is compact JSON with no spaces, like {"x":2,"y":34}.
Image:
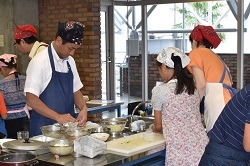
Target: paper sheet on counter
{"x":100,"y":101}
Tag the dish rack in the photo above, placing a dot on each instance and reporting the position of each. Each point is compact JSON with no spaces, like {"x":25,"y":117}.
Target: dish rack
{"x":89,"y":146}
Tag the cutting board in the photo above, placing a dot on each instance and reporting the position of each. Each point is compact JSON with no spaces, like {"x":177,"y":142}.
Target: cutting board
{"x":135,"y":144}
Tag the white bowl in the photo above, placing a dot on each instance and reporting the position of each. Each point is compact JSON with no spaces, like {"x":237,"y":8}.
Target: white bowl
{"x":100,"y":136}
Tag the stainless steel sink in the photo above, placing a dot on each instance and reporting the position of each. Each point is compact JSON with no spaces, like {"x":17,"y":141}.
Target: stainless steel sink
{"x":147,"y":119}
{"x":127,"y":131}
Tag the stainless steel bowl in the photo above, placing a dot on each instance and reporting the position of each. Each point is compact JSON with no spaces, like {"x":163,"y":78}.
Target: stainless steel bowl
{"x":99,"y":129}
{"x":54,"y":131}
{"x":72,"y":135}
{"x":115,"y":125}
{"x":61,"y":147}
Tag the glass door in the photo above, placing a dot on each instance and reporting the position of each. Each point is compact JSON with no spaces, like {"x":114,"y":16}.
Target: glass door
{"x":104,"y":62}
{"x":127,"y":24}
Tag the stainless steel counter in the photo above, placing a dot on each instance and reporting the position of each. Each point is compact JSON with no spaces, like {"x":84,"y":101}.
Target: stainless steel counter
{"x":108,"y":159}
{"x":45,"y":158}
{"x":100,"y":160}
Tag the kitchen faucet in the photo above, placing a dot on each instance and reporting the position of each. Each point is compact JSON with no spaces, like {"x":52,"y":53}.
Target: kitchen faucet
{"x":141,"y":103}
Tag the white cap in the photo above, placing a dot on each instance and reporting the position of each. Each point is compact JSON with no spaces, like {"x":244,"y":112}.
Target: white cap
{"x":166,"y":54}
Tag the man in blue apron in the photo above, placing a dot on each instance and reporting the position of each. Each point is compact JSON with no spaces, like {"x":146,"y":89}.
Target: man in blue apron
{"x":53,"y":84}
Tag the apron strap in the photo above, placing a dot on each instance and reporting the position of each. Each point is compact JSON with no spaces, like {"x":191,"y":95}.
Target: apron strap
{"x":224,"y":72}
{"x":51,"y":59}
{"x":231,"y":90}
{"x":223,"y":75}
{"x":25,"y":108}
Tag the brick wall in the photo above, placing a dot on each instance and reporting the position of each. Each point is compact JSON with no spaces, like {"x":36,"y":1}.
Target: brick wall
{"x":135,"y":69}
{"x":88,"y":56}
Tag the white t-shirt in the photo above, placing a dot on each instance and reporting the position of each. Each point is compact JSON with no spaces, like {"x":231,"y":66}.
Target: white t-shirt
{"x":160,"y":95}
{"x":39,"y":72}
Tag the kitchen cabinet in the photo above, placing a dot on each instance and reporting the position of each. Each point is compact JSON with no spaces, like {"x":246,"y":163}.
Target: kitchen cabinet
{"x":155,"y":159}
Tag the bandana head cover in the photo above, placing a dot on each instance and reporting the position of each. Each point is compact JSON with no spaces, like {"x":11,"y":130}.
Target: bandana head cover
{"x":201,"y":32}
{"x":24,"y":31}
{"x":5,"y":59}
{"x":71,"y":32}
{"x":166,"y":54}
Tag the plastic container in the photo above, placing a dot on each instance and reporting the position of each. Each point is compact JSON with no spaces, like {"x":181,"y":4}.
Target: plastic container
{"x":89,"y":146}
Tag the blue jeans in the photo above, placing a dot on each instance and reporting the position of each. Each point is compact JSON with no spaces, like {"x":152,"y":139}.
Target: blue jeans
{"x":220,"y":155}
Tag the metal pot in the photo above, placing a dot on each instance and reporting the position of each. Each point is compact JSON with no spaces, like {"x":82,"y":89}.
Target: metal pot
{"x":99,"y":129}
{"x":72,"y":135}
{"x":18,"y":159}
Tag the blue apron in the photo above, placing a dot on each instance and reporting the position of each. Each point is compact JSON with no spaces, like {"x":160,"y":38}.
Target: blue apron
{"x":58,"y":96}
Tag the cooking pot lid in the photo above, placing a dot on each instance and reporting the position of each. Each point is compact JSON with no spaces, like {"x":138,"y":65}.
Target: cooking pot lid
{"x":20,"y":145}
{"x":17,"y":158}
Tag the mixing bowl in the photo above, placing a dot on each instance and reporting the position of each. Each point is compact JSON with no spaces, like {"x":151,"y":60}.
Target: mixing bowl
{"x":72,"y":135}
{"x":115,"y":125}
{"x":99,"y":129}
{"x":61,"y":147}
{"x":54,"y":131}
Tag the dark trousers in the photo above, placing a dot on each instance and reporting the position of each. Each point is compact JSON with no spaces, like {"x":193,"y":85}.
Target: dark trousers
{"x":14,"y":125}
{"x":220,"y":155}
{"x":2,"y":135}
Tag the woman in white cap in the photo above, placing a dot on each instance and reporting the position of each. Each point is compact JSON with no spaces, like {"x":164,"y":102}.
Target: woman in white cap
{"x":12,"y":89}
{"x":176,"y":110}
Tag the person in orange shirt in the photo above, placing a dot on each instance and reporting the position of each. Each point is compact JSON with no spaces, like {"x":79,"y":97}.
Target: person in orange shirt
{"x":212,"y":76}
{"x":3,"y":113}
